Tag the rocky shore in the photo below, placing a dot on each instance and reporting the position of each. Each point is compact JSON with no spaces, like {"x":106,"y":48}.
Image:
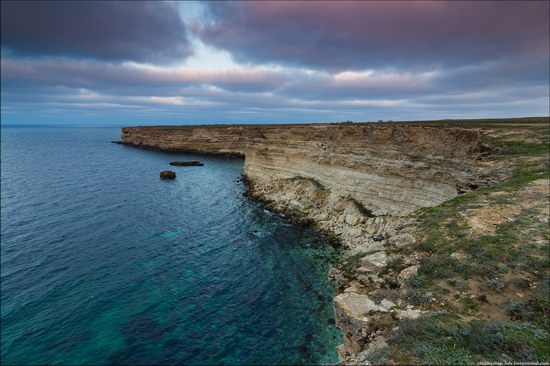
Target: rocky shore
{"x":371,"y":189}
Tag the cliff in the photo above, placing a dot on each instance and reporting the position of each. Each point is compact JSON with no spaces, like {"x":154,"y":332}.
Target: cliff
{"x":366,"y":186}
{"x":347,"y":179}
{"x":351,"y":181}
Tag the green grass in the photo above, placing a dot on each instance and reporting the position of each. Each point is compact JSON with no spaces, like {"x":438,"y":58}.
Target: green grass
{"x":509,"y":252}
{"x":522,"y":148}
{"x":445,"y":338}
{"x":442,"y":339}
{"x":492,"y":254}
{"x":498,"y":123}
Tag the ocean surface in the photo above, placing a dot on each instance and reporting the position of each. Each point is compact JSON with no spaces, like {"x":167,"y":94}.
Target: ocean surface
{"x":104,"y":263}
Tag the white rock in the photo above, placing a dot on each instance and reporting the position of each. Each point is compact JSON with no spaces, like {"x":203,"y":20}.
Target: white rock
{"x":387,"y":304}
{"x":378,"y":259}
{"x":410,"y":314}
{"x":356,"y":305}
{"x":351,"y":219}
{"x":402,"y":240}
{"x":322,"y":216}
{"x":460,"y":256}
{"x":371,"y":229}
{"x":407,"y":273}
{"x":364,"y":270}
{"x":367,"y":246}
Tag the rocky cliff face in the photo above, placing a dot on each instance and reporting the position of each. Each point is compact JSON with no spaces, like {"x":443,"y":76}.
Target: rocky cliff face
{"x":389,"y":170}
{"x":358,"y":183}
{"x":349,"y":180}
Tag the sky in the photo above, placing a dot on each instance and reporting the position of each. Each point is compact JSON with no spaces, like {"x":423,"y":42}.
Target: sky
{"x":131,"y":63}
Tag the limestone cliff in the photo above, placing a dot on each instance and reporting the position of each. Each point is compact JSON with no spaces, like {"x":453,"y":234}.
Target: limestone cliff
{"x":347,"y":179}
{"x":358,"y":183}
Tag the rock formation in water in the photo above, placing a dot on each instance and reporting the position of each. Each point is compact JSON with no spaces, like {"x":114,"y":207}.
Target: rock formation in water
{"x":167,"y":174}
{"x":186,"y":163}
{"x":357,"y":183}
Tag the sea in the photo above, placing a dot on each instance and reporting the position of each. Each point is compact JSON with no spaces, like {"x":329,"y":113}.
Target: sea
{"x":102,"y":262}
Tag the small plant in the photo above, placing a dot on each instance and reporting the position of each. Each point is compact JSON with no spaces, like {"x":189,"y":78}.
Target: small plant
{"x":519,"y":283}
{"x":516,"y":310}
{"x":379,"y":356}
{"x":416,"y":282}
{"x":502,"y":268}
{"x":494,"y":284}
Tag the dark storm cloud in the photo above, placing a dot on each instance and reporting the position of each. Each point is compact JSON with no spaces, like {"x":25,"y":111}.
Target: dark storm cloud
{"x":360,"y":35}
{"x":115,"y":31}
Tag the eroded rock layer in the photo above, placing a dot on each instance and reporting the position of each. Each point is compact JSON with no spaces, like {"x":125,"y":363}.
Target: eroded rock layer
{"x":385,"y":169}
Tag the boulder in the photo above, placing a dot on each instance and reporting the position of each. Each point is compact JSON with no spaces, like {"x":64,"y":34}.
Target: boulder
{"x":402,"y":240}
{"x":410,"y":314}
{"x":378,"y":259}
{"x":167,"y":174}
{"x":353,"y":314}
{"x":355,"y":232}
{"x":406,"y":274}
{"x":351,"y":219}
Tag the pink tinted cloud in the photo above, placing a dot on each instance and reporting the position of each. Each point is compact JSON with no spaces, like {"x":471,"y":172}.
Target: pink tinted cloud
{"x":358,"y":35}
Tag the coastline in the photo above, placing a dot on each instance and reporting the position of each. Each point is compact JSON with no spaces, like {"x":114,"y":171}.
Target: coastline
{"x":380,"y":242}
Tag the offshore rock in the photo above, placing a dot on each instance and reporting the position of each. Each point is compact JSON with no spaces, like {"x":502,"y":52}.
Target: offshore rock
{"x":167,"y":174}
{"x":186,"y":163}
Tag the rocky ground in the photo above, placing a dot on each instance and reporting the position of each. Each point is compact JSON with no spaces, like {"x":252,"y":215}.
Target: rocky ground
{"x":464,"y":282}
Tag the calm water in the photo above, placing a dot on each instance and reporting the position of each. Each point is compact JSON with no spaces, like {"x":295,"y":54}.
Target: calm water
{"x":102,"y":262}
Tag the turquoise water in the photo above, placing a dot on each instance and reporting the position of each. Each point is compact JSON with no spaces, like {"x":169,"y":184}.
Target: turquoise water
{"x":104,"y":263}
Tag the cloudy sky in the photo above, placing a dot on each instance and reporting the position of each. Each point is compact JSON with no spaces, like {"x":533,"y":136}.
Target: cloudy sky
{"x":125,"y":63}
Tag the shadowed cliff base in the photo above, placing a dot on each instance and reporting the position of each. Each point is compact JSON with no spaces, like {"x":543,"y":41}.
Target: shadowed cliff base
{"x":444,"y":225}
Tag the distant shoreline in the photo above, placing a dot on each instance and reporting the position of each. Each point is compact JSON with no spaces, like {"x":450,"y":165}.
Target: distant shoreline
{"x":522,"y":120}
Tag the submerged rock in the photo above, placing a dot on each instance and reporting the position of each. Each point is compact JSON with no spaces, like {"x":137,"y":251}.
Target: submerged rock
{"x":186,"y":163}
{"x":167,"y":174}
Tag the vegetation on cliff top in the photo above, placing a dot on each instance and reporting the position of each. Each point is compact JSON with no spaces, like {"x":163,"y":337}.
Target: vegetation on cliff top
{"x":484,"y":275}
